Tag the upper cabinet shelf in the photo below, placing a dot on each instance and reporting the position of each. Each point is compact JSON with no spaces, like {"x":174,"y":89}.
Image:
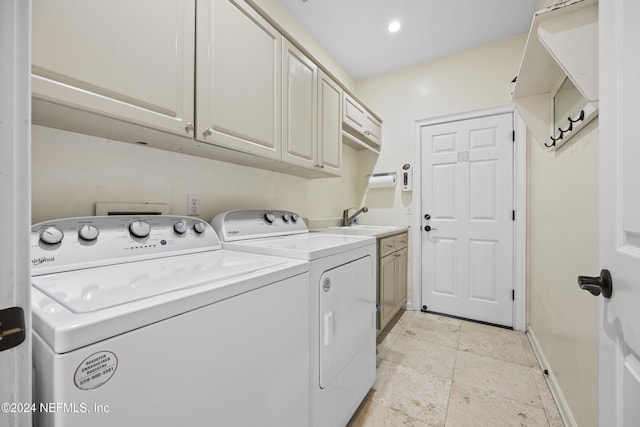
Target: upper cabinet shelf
{"x":562,"y":43}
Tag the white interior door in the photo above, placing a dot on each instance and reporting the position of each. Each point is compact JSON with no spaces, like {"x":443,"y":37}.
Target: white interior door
{"x":15,"y":209}
{"x":619,"y":194}
{"x":467,"y":202}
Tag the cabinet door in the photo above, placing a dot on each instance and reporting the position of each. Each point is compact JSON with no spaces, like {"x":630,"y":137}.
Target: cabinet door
{"x":299,"y":107}
{"x":387,"y":291}
{"x":238,"y":78}
{"x":353,"y":113}
{"x":402,"y":265}
{"x":329,"y":125}
{"x":127,"y":60}
{"x":373,"y":129}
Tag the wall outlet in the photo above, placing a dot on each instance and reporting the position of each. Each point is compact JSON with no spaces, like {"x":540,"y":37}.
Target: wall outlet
{"x":193,"y":205}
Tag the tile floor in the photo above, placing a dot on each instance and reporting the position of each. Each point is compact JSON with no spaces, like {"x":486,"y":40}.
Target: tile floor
{"x":439,"y":371}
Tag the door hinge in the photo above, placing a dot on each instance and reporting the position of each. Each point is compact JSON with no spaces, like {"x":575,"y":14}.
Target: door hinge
{"x":513,"y":215}
{"x":513,"y":135}
{"x":12,"y":332}
{"x":513,"y":294}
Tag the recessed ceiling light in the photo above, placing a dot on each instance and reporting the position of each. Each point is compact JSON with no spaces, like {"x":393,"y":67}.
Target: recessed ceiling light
{"x":394,"y":26}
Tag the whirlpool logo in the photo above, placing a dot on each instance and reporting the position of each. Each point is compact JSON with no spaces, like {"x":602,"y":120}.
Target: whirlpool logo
{"x":37,"y":261}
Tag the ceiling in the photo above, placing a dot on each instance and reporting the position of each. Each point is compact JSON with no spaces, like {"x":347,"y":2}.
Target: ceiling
{"x":355,"y":32}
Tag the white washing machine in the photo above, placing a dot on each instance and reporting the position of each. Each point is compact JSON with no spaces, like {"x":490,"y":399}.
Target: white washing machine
{"x":342,"y":273}
{"x":146,"y":321}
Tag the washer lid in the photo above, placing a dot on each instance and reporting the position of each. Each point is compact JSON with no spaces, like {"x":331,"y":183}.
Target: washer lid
{"x":88,"y":290}
{"x":307,"y":246}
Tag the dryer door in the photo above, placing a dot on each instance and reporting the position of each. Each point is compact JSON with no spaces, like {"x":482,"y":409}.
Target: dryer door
{"x":347,"y":313}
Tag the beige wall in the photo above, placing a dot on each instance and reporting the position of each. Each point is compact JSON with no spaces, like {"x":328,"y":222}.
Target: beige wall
{"x":563,"y":243}
{"x":72,"y":171}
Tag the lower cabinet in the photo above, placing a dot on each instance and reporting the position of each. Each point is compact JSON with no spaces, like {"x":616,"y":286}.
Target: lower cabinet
{"x":392,"y":276}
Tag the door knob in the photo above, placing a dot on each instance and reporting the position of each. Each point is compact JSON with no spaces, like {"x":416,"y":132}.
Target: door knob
{"x":429,"y":228}
{"x":597,"y":285}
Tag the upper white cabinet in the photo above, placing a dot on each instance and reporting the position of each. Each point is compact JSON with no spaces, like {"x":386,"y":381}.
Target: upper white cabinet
{"x":238,"y":78}
{"x":329,"y":125}
{"x":312,"y":114}
{"x":361,"y":127}
{"x":300,"y":108}
{"x":132,"y":61}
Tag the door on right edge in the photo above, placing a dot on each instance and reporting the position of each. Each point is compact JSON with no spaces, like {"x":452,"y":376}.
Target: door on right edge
{"x":467,"y":218}
{"x":619,"y":199}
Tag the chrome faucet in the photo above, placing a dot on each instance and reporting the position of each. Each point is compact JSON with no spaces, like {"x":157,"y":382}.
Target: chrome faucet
{"x":346,"y":219}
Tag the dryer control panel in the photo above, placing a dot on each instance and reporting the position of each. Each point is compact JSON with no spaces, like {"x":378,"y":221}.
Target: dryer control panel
{"x":252,"y":224}
{"x":75,"y":243}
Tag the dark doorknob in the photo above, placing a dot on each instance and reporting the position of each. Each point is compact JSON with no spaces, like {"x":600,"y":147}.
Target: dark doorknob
{"x":429,"y":228}
{"x":597,"y":285}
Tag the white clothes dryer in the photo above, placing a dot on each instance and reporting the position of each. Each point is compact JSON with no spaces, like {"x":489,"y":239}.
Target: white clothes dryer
{"x":146,"y":321}
{"x":342,"y":274}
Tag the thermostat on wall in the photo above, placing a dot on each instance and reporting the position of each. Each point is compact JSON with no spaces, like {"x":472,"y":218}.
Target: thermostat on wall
{"x":407,"y":177}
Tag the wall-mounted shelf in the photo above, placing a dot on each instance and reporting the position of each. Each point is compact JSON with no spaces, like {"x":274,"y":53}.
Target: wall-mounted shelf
{"x":563,"y":42}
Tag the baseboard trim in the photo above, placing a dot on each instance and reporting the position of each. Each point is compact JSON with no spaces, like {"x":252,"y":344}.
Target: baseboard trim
{"x":556,"y":391}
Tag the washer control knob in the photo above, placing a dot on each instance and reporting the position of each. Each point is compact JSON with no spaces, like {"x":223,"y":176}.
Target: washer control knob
{"x":199,"y":227}
{"x":52,"y":236}
{"x":140,"y":228}
{"x":269,"y":217}
{"x":88,"y":232}
{"x":286,"y":217}
{"x":180,"y":227}
{"x":294,"y":218}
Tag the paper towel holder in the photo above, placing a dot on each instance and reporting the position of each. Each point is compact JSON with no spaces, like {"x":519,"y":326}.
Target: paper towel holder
{"x":382,"y":180}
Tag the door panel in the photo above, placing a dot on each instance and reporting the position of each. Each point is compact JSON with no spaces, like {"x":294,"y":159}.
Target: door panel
{"x":444,"y":267}
{"x":483,"y":190}
{"x":15,"y":208}
{"x":387,"y":286}
{"x":467,"y":265}
{"x":329,"y":124}
{"x":300,"y":136}
{"x":619,"y":200}
{"x":136,"y":66}
{"x":443,"y":191}
{"x":238,"y":78}
{"x":482,"y":270}
{"x":345,"y":315}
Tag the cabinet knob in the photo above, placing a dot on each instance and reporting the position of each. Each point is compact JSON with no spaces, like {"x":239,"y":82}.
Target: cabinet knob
{"x":207,"y":132}
{"x":189,"y":127}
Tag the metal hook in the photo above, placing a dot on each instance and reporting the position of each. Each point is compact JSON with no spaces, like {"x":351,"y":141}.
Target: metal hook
{"x":553,"y":141}
{"x":578,"y":119}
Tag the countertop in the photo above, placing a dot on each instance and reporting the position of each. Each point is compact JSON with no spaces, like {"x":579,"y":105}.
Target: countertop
{"x":378,"y":231}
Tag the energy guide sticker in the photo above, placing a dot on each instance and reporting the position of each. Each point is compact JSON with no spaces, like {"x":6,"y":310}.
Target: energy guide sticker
{"x":95,"y":370}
